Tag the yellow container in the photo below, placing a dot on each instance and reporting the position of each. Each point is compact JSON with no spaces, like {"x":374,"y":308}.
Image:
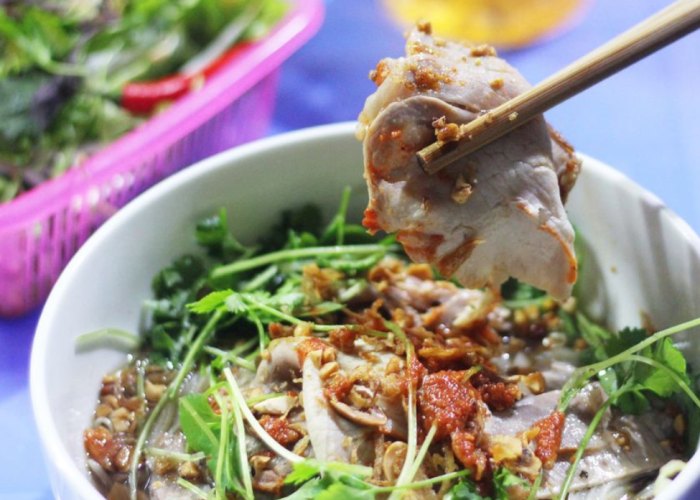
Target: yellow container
{"x":504,"y":23}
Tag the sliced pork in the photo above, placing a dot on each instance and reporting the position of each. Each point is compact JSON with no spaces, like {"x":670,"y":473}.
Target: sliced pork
{"x":497,"y":213}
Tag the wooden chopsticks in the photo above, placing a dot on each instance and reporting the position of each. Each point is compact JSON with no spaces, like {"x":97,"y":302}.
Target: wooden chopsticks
{"x":659,"y":30}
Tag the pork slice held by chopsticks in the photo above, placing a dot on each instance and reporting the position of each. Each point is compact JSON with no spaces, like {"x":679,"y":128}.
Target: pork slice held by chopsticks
{"x":496,"y":213}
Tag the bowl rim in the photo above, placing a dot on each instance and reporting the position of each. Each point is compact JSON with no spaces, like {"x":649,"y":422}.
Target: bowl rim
{"x":57,"y":455}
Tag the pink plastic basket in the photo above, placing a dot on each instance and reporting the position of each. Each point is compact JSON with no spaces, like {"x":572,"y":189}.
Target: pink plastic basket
{"x":41,"y":230}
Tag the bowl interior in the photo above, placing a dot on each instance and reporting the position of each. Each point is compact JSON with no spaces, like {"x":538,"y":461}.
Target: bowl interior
{"x":639,"y":258}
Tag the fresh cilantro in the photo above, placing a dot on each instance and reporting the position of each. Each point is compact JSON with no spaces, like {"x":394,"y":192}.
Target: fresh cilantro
{"x":661,"y":382}
{"x":309,"y":468}
{"x":109,"y":337}
{"x":351,"y":265}
{"x":211,"y":302}
{"x":161,"y":341}
{"x":204,"y":431}
{"x":598,"y":339}
{"x":199,"y":424}
{"x":182,"y":274}
{"x":569,"y":325}
{"x":320,"y":309}
{"x":307,"y":491}
{"x":653,"y":374}
{"x":464,"y":490}
{"x":517,"y":295}
{"x":213,"y":234}
{"x":306,"y":219}
{"x":504,"y":481}
{"x":335,"y":232}
{"x":347,"y":492}
{"x":631,"y":367}
{"x":335,"y":480}
{"x":303,"y":471}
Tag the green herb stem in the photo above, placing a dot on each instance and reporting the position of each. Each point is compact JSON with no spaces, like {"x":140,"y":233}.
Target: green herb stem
{"x":292,"y":319}
{"x":678,"y":380}
{"x":200,"y":423}
{"x":242,"y":452}
{"x":170,"y":394}
{"x":194,"y":351}
{"x":523,"y":303}
{"x":342,"y":215}
{"x":243,"y":347}
{"x":297,"y":253}
{"x":584,"y":442}
{"x":253,"y":355}
{"x":260,"y":279}
{"x":262,"y":338}
{"x":412,"y":419}
{"x":421,"y":453}
{"x":536,"y":486}
{"x":242,"y":362}
{"x":223,"y":445}
{"x":353,"y":290}
{"x":108,"y":337}
{"x":422,"y":484}
{"x":253,"y":422}
{"x":140,"y":443}
{"x":198,"y":492}
{"x":581,"y":375}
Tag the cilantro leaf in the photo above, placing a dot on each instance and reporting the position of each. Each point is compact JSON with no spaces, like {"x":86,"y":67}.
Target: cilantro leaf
{"x":161,"y":340}
{"x":633,"y":402}
{"x":640,"y":377}
{"x":199,"y":424}
{"x":201,"y":427}
{"x":236,"y":304}
{"x":660,"y":382}
{"x":627,"y":338}
{"x":213,"y":234}
{"x":306,"y":219}
{"x":595,"y":336}
{"x":504,"y":480}
{"x":341,"y":490}
{"x":464,"y":490}
{"x":182,"y":274}
{"x":569,"y":326}
{"x":211,"y":302}
{"x":514,"y":290}
{"x":308,"y":491}
{"x":305,"y":470}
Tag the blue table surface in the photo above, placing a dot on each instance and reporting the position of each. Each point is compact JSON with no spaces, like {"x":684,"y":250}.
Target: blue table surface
{"x":645,"y":121}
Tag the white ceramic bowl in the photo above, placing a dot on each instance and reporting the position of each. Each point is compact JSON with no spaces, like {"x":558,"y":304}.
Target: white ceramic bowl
{"x":641,"y":257}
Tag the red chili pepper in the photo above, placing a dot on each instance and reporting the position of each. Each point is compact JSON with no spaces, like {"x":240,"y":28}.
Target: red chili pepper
{"x":144,"y":97}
